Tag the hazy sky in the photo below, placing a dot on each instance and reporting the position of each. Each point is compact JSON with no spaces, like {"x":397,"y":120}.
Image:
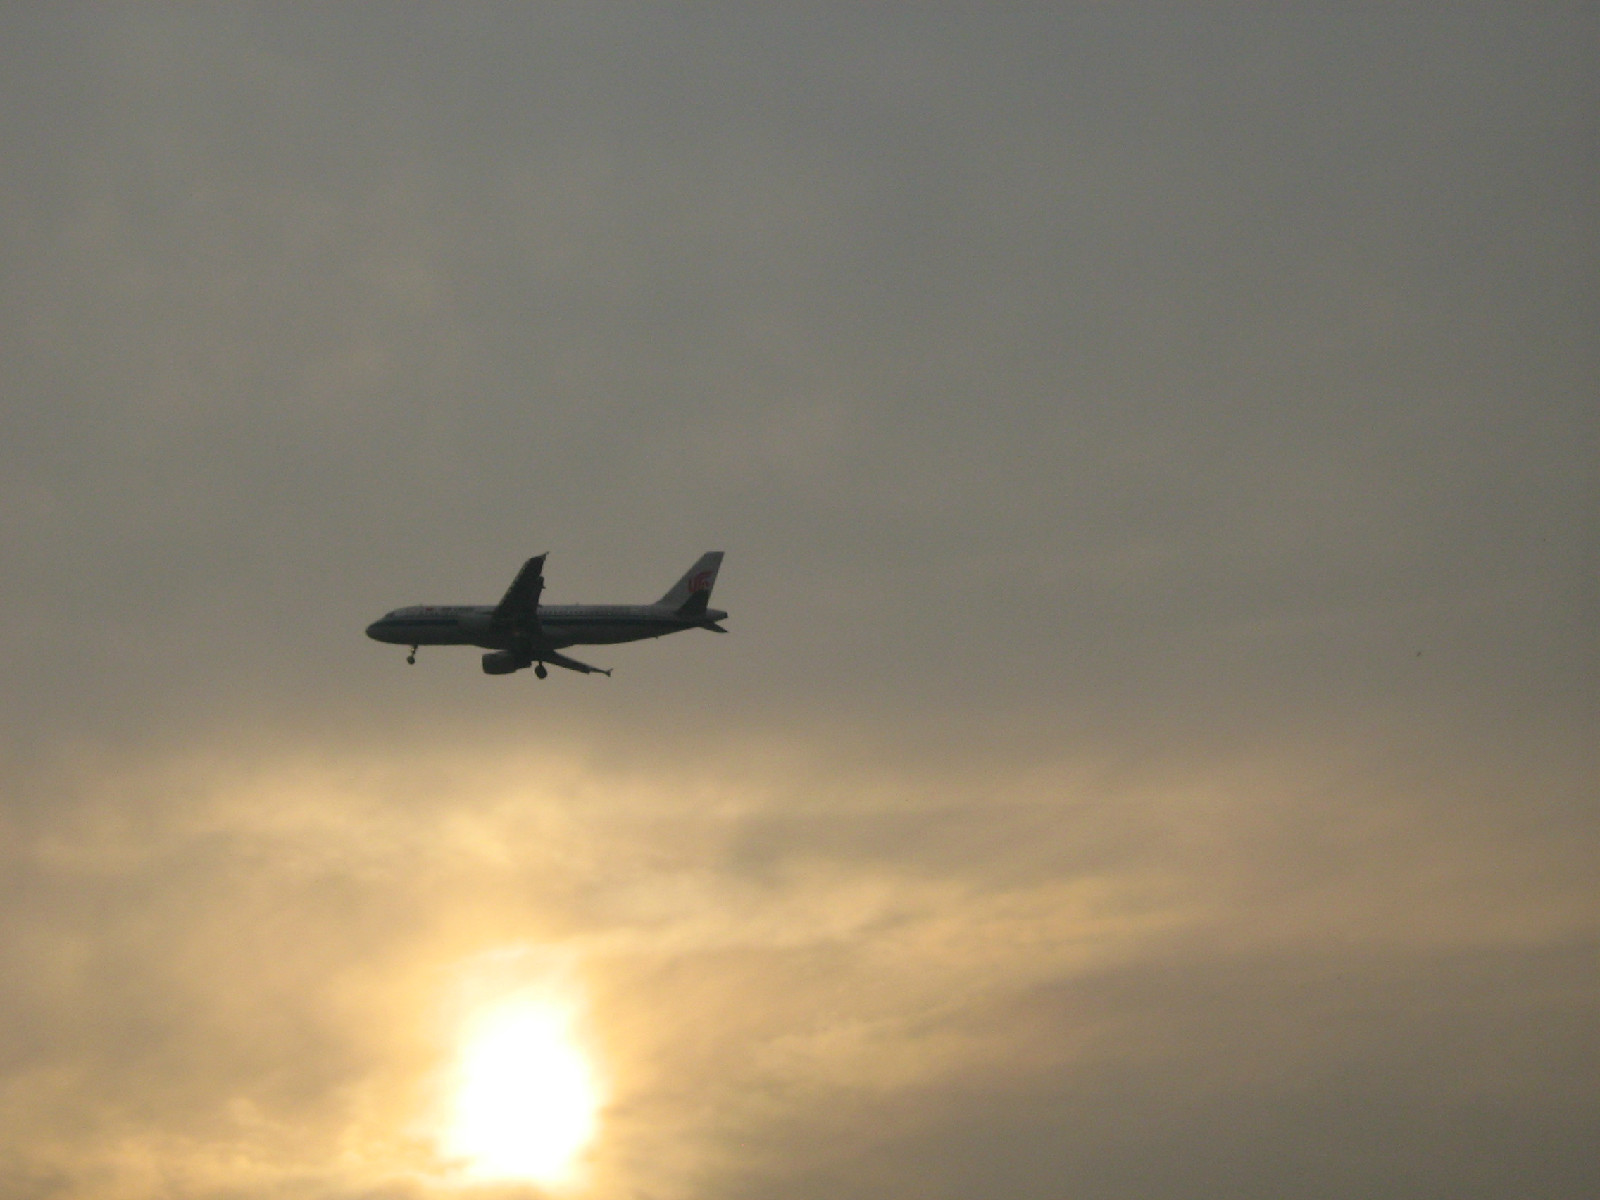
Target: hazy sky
{"x":1155,"y":449}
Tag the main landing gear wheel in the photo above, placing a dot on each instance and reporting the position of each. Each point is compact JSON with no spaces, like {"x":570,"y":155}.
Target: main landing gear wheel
{"x":540,"y":671}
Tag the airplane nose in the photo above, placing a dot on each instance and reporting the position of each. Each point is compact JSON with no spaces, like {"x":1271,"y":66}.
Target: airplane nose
{"x":375,"y":631}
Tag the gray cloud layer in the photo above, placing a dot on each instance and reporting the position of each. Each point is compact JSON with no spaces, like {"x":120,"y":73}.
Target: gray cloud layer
{"x":1154,"y":447}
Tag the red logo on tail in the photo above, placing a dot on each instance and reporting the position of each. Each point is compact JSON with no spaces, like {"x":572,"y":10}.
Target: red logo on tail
{"x":700,"y":583}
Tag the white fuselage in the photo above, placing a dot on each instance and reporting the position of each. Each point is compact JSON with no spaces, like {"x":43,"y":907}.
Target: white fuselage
{"x":521,"y":632}
{"x":560,"y":625}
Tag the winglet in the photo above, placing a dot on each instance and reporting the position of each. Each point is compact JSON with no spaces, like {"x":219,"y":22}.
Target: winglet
{"x":556,"y":659}
{"x":520,"y":604}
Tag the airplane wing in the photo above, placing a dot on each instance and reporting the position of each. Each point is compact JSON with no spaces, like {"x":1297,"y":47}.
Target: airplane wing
{"x":571,"y":664}
{"x":520,"y":605}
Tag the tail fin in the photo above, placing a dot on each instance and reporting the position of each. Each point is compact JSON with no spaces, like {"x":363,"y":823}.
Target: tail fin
{"x":689,"y":595}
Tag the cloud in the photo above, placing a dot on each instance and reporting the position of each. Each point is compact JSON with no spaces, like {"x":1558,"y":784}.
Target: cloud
{"x":242,"y":969}
{"x":1155,"y":749}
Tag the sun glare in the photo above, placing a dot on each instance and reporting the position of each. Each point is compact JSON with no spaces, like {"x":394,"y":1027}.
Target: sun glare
{"x":525,"y":1100}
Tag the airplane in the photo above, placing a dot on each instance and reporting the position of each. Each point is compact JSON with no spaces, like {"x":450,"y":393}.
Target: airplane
{"x":520,"y":632}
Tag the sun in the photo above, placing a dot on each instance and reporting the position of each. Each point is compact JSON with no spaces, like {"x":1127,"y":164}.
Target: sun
{"x":525,"y":1101}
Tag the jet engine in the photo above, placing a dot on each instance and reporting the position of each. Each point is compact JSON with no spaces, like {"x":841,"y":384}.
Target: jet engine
{"x":503,"y":662}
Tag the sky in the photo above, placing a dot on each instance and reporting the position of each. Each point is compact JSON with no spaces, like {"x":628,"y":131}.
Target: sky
{"x":1154,"y":444}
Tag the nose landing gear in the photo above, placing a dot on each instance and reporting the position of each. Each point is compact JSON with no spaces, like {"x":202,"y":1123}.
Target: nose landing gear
{"x":411,"y":659}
